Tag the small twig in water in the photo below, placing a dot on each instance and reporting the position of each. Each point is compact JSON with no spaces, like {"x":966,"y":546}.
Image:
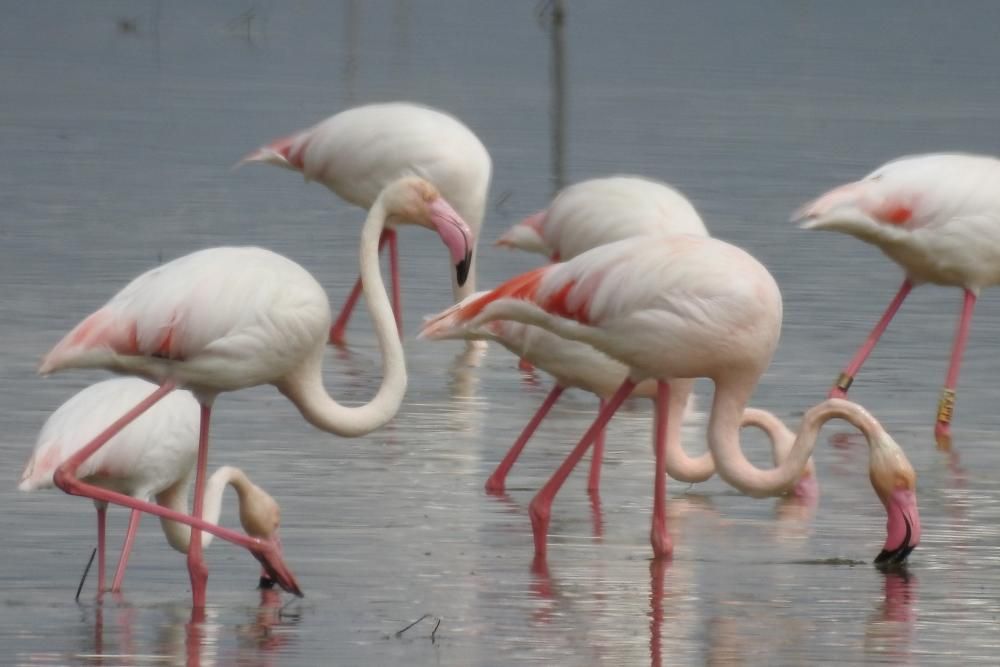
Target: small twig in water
{"x":85,"y":571}
{"x":400,"y":632}
{"x":434,"y":631}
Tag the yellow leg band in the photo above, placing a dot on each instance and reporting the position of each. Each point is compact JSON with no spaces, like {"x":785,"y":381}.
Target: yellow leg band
{"x":844,"y":382}
{"x":946,"y":406}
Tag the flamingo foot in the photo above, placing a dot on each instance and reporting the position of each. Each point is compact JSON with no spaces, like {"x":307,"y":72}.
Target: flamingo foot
{"x":659,"y":538}
{"x":540,"y":513}
{"x":807,"y":488}
{"x":199,"y":581}
{"x":942,"y":436}
{"x":337,"y":336}
{"x":496,"y":485}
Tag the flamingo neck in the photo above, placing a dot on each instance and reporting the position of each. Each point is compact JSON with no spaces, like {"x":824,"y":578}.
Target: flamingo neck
{"x":176,"y":498}
{"x":305,"y":387}
{"x":679,"y":465}
{"x":733,"y":466}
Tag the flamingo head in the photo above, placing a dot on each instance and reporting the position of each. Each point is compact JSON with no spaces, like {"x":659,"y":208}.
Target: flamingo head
{"x":416,"y":201}
{"x":260,"y":516}
{"x":895,"y":483}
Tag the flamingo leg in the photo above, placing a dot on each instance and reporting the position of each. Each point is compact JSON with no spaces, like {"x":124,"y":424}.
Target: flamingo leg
{"x":946,"y":405}
{"x":540,"y":509}
{"x":596,"y":457}
{"x":265,"y":551}
{"x":339,"y":328}
{"x":658,"y":535}
{"x":845,"y":379}
{"x":133,"y":526}
{"x":397,"y":301}
{"x":197,"y":569}
{"x":524,"y":365}
{"x":102,"y":517}
{"x":496,"y":481}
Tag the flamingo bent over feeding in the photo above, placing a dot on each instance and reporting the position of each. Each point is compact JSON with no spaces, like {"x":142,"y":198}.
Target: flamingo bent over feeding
{"x":684,"y":307}
{"x":594,"y":212}
{"x":575,"y":364}
{"x":154,"y":456}
{"x":359,"y":151}
{"x":938,"y":217}
{"x":224,"y":319}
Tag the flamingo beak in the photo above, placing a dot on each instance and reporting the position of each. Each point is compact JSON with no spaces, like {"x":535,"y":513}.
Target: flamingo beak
{"x":456,"y":234}
{"x":902,"y":527}
{"x":275,"y":570}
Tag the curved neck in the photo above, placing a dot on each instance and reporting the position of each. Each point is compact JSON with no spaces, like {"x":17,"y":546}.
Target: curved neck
{"x":679,"y":465}
{"x":733,"y":466}
{"x":305,"y":386}
{"x":176,"y":498}
{"x":781,"y":437}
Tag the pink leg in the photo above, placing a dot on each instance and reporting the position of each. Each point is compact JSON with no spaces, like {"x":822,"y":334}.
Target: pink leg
{"x":102,"y":517}
{"x":525,"y":366}
{"x":847,"y":377}
{"x":133,"y":526}
{"x":946,"y":405}
{"x":596,"y":457}
{"x":397,"y":302}
{"x":540,"y":509}
{"x":197,"y":569}
{"x":339,"y":327}
{"x":266,"y":551}
{"x":658,"y":535}
{"x":496,"y":481}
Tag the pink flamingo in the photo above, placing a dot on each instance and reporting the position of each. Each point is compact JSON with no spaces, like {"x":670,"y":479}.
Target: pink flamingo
{"x":583,"y":216}
{"x":359,"y":151}
{"x":936,"y":216}
{"x":224,"y":319}
{"x":154,"y":456}
{"x":578,"y":365}
{"x":603,"y":210}
{"x":684,"y":307}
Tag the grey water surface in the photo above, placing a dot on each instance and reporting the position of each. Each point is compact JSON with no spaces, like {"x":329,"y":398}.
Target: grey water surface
{"x":119,"y":122}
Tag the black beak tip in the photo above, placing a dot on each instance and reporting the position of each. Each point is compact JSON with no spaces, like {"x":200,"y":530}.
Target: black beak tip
{"x":462,"y":269}
{"x":894,"y":558}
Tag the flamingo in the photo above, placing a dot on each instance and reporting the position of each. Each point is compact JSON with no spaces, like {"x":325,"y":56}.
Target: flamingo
{"x":154,"y":456}
{"x":938,"y":217}
{"x":602,"y":210}
{"x":684,"y":307}
{"x":583,"y":216}
{"x":224,"y":319}
{"x":359,"y":151}
{"x":576,"y":364}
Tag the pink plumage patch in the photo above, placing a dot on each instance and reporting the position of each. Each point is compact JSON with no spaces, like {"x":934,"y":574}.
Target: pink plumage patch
{"x":523,"y":287}
{"x":283,"y":147}
{"x":558,"y":304}
{"x":894,"y":213}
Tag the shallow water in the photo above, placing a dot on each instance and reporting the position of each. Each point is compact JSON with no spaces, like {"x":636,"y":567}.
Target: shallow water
{"x":119,"y":123}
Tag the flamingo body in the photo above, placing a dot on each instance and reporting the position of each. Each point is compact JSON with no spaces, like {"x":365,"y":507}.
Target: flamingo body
{"x":153,"y":457}
{"x":190,"y":318}
{"x":936,"y":215}
{"x":603,"y":210}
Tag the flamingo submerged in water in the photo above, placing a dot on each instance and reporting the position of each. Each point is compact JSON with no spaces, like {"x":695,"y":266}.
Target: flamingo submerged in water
{"x":224,"y":319}
{"x":684,"y":307}
{"x":594,"y":212}
{"x":154,"y":456}
{"x":357,"y":152}
{"x":938,"y":217}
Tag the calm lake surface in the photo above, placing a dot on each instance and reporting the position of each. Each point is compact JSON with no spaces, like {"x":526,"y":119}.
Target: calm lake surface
{"x":119,"y":124}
